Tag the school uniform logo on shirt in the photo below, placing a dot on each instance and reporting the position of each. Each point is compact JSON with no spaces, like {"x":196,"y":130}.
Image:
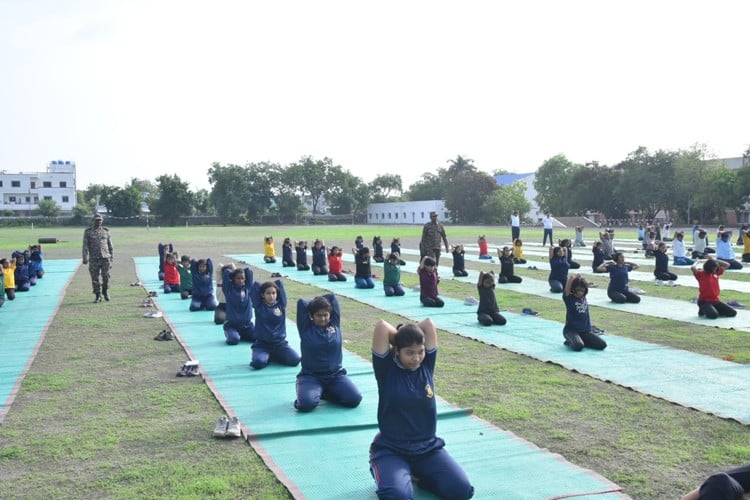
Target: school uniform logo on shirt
{"x":428,"y":391}
{"x":330,"y":330}
{"x":582,"y":306}
{"x":277,"y":311}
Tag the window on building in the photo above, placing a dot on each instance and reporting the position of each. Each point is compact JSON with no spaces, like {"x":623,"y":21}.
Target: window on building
{"x":389,"y":215}
{"x":421,"y":215}
{"x":11,"y":199}
{"x":28,"y":199}
{"x":47,"y":197}
{"x":65,"y":199}
{"x":15,"y":184}
{"x":396,"y":215}
{"x":1,"y":184}
{"x":36,"y":199}
{"x":32,"y":184}
{"x":47,"y":184}
{"x":63,"y":184}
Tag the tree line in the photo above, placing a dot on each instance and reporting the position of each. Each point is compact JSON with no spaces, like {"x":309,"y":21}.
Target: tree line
{"x":685,"y":183}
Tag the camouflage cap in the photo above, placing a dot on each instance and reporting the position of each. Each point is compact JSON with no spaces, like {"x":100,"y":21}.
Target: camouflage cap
{"x":97,"y":217}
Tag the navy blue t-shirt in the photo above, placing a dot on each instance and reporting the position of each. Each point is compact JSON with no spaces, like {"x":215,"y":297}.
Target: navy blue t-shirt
{"x":577,"y":313}
{"x":618,"y":277}
{"x":320,"y":346}
{"x":406,"y":406}
{"x":270,"y":320}
{"x":662,"y":262}
{"x":559,"y":269}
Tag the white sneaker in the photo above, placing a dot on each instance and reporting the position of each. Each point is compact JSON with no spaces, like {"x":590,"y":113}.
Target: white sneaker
{"x":220,"y":430}
{"x":671,"y":283}
{"x":659,"y":283}
{"x":153,"y":314}
{"x":233,"y":429}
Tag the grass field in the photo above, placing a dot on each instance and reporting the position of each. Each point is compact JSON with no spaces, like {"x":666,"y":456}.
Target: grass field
{"x":101,"y":414}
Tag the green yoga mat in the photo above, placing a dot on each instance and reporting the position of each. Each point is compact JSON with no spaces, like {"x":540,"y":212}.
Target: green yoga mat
{"x":24,"y":323}
{"x":693,"y":380}
{"x":324,"y":454}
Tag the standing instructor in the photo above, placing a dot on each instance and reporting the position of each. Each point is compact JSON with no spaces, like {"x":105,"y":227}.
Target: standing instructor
{"x":432,"y":234}
{"x":98,"y":254}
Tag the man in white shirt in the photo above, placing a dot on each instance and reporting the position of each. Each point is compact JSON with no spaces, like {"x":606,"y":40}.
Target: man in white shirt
{"x":547,"y":223}
{"x":515,"y":226}
{"x":678,"y":251}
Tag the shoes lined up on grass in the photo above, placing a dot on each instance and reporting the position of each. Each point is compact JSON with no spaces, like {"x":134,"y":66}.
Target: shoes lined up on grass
{"x":153,"y":314}
{"x":148,"y":303}
{"x":164,"y":335}
{"x":153,"y":294}
{"x":470,"y":301}
{"x":529,"y":312}
{"x":227,"y":427}
{"x":189,"y":369}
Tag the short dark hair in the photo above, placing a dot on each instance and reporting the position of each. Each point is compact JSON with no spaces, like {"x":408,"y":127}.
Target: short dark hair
{"x":266,"y":285}
{"x":429,"y":261}
{"x":319,"y":304}
{"x":408,"y":335}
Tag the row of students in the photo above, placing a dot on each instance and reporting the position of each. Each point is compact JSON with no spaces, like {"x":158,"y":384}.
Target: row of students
{"x":21,"y":271}
{"x":190,"y":278}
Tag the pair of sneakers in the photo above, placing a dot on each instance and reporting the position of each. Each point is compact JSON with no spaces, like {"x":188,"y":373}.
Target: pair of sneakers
{"x":153,"y":314}
{"x":189,"y":369}
{"x":227,"y":427}
{"x":165,"y":335}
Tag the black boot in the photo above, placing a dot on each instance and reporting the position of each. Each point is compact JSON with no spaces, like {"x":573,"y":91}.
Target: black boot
{"x":98,"y":298}
{"x":106,"y":294}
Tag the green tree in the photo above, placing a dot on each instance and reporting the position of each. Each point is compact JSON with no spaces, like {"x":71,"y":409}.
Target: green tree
{"x":647,"y":181}
{"x":202,"y":202}
{"x":124,"y":202}
{"x":49,"y":209}
{"x":384,"y":188}
{"x":591,"y":187}
{"x":313,"y":178}
{"x":229,"y":188}
{"x":466,"y":194}
{"x":503,"y":200}
{"x":349,"y":195}
{"x":173,"y":201}
{"x":148,"y":189}
{"x":429,"y":187}
{"x":550,"y":180}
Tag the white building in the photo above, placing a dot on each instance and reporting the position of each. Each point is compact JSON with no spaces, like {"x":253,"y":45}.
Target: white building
{"x":530,"y":193}
{"x":405,"y":212}
{"x":21,"y":192}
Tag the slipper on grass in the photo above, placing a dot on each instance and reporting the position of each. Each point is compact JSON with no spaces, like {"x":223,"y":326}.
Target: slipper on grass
{"x":736,"y":304}
{"x":529,"y":312}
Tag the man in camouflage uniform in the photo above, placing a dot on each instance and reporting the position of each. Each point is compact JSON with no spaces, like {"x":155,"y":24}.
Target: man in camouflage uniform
{"x":98,"y":254}
{"x":432,"y":234}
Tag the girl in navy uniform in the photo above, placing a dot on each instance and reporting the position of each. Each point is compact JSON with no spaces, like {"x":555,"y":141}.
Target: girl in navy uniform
{"x":377,"y":249}
{"x":301,"y":249}
{"x":392,"y":277}
{"x":568,"y":245}
{"x":36,"y":260}
{"x":598,"y":251}
{"x":558,"y":274}
{"x":319,"y":258}
{"x":488,"y":313}
{"x":396,"y":248}
{"x":506,"y":267}
{"x":287,"y":256}
{"x":661,"y":266}
{"x":618,"y":270}
{"x":23,"y":282}
{"x":202,"y":272}
{"x":269,"y":300}
{"x":578,"y":330}
{"x":407,"y":445}
{"x":236,"y":286}
{"x":459,"y":261}
{"x":363,"y":270}
{"x":322,"y":375}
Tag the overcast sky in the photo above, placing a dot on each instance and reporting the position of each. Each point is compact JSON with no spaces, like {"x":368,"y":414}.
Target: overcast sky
{"x":136,"y":88}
